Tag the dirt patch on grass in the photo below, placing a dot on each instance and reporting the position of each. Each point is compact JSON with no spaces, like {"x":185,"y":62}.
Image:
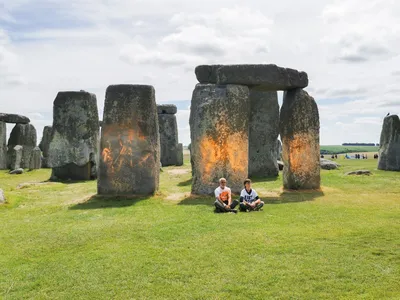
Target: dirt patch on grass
{"x":26,"y":185}
{"x":178,"y":171}
{"x":177,"y":196}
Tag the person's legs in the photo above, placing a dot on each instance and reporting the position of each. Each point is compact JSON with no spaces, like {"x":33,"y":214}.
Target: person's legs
{"x":234,"y":203}
{"x":243,"y":207}
{"x":259,"y":205}
{"x":219,"y":206}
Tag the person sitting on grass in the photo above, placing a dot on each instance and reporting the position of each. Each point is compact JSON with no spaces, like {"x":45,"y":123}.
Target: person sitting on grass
{"x":249,"y":200}
{"x":223,"y":198}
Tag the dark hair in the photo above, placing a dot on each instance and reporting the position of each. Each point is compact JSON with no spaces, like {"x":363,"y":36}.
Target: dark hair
{"x":246,"y":181}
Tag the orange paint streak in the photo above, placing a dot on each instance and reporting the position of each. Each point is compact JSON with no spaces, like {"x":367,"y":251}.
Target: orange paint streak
{"x":120,"y":146}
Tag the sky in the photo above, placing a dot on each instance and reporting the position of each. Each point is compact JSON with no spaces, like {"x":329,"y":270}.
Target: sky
{"x":349,"y":49}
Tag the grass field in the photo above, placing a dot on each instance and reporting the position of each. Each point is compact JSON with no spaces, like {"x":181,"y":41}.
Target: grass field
{"x":60,"y":241}
{"x":338,"y":149}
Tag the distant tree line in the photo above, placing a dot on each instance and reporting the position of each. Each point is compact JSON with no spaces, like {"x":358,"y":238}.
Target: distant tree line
{"x":359,"y":144}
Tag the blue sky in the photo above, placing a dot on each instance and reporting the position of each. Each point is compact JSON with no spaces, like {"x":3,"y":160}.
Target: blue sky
{"x":348,"y":48}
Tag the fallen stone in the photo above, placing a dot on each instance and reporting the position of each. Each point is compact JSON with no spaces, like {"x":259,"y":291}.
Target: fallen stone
{"x":168,"y":129}
{"x":74,"y":144}
{"x":389,"y":151}
{"x":13,"y":118}
{"x":179,"y":154}
{"x":18,"y":171}
{"x":15,"y":157}
{"x":36,"y":159}
{"x":169,"y":109}
{"x":2,"y":197}
{"x":268,"y":77}
{"x":130,"y":142}
{"x":3,"y":146}
{"x":25,"y":136}
{"x":359,"y":172}
{"x":219,"y":129}
{"x":328,"y":164}
{"x":299,"y":130}
{"x":45,"y":145}
{"x":263,"y":133}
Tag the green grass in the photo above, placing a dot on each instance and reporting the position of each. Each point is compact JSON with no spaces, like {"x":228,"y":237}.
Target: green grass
{"x":60,"y":241}
{"x":338,"y":149}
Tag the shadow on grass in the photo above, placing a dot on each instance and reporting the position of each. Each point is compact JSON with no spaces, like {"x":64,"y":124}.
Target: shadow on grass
{"x":97,"y":201}
{"x":284,"y":197}
{"x":185,"y":183}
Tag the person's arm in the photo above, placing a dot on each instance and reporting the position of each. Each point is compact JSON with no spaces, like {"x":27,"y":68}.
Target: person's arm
{"x":242,"y":198}
{"x":230,"y":197}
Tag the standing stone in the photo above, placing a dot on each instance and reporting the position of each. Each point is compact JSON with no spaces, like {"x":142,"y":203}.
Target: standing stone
{"x":130,"y":142}
{"x":263,"y":133}
{"x":179,"y":155}
{"x":219,"y":129}
{"x":45,"y":144}
{"x":389,"y":151}
{"x":36,"y":159}
{"x":3,"y":146}
{"x":74,"y":146}
{"x":25,"y":136}
{"x":278,"y":149}
{"x":168,"y":134}
{"x":2,"y":197}
{"x":15,"y":157}
{"x":299,"y":129}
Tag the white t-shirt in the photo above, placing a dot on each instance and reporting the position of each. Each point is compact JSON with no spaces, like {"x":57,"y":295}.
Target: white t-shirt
{"x":223,"y":192}
{"x":248,"y":196}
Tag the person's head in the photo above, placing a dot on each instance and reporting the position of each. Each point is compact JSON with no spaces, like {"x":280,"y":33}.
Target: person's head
{"x":222,"y":182}
{"x":247,"y":184}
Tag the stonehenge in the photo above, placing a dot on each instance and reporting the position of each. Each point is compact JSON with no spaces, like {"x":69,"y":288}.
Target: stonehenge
{"x":74,"y":147}
{"x":389,"y":149}
{"x":15,"y":157}
{"x":13,"y":118}
{"x":179,"y":155}
{"x":219,"y":123}
{"x":44,"y":145}
{"x":130,"y":142}
{"x":168,"y":134}
{"x":36,"y":159}
{"x":299,"y":131}
{"x":23,"y":135}
{"x":298,"y":117}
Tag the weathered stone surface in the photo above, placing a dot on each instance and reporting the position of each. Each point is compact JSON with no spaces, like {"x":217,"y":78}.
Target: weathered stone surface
{"x":15,"y":157}
{"x":359,"y":172}
{"x":36,"y":159}
{"x":3,"y":146}
{"x":130,"y":142}
{"x":2,"y":197}
{"x":389,"y":151}
{"x":12,"y":118}
{"x":268,"y":77}
{"x":278,"y":149}
{"x":263,"y":133}
{"x":45,"y":145}
{"x":179,"y":155}
{"x":299,"y":129}
{"x":328,"y":164}
{"x":207,"y":73}
{"x":219,"y":129}
{"x":18,"y":171}
{"x":168,"y":139}
{"x":169,"y":109}
{"x":75,"y":136}
{"x":25,"y":136}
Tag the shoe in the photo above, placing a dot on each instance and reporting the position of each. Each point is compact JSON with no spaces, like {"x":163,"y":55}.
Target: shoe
{"x":234,"y":211}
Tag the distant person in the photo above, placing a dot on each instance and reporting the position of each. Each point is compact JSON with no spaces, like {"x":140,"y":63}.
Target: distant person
{"x":336,"y":156}
{"x":322,"y":156}
{"x":223,"y":198}
{"x":249,"y":200}
{"x":333,"y":157}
